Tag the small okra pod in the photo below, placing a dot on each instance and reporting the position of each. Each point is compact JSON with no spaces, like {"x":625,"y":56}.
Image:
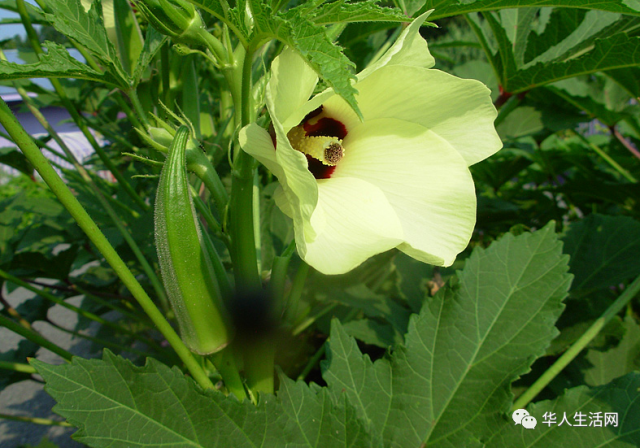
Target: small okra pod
{"x":187,"y":270}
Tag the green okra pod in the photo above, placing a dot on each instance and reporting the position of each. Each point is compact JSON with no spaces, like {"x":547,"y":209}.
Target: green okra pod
{"x":187,"y":270}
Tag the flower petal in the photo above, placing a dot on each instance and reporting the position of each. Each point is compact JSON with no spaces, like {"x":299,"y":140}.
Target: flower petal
{"x":409,"y":49}
{"x":290,"y":167}
{"x":291,"y":85}
{"x":358,"y":223}
{"x":458,"y":110}
{"x":425,"y":180}
{"x":257,"y":142}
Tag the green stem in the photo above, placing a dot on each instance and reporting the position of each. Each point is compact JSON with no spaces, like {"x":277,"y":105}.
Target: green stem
{"x":155,"y":281}
{"x":77,"y":310}
{"x":199,"y":164}
{"x":37,"y":421}
{"x":225,"y":363}
{"x":102,"y":342}
{"x":241,"y":225}
{"x":279,"y":277}
{"x":607,"y":158}
{"x":75,"y":115}
{"x":296,"y":292}
{"x":17,"y":367}
{"x":629,"y":293}
{"x":34,"y":337}
{"x":312,"y":362}
{"x":166,"y":77}
{"x":306,"y":323}
{"x":68,"y":200}
{"x":259,"y":365}
{"x":137,"y":106}
{"x":201,"y":207}
{"x":127,"y":110}
{"x":106,"y":303}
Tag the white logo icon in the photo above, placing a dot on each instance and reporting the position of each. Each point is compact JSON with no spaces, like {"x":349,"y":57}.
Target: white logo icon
{"x":529,"y":422}
{"x":518,"y":415}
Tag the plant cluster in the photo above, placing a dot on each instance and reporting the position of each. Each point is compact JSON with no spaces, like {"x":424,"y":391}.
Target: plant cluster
{"x":327,"y":223}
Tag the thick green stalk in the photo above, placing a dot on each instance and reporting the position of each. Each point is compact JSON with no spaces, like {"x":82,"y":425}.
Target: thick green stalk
{"x":68,"y":200}
{"x":225,"y":362}
{"x":75,"y":115}
{"x":34,"y":337}
{"x":241,"y":226}
{"x":629,"y":293}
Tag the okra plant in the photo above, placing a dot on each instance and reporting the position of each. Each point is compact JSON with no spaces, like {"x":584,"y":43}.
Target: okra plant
{"x":325,"y":223}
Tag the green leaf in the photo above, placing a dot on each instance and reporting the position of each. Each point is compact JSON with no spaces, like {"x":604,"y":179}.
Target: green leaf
{"x":604,"y":250}
{"x":413,"y":276}
{"x":596,"y":95}
{"x":15,"y":159}
{"x":522,"y":121}
{"x":116,"y":404}
{"x":372,"y":332}
{"x":368,"y":11}
{"x":619,"y":51}
{"x":559,"y":44}
{"x":312,"y":42}
{"x":373,"y":305}
{"x":87,"y":28}
{"x":619,"y":397}
{"x":617,"y":361}
{"x":447,"y":8}
{"x":57,"y":63}
{"x":368,"y":386}
{"x":235,"y":18}
{"x":152,"y":44}
{"x":452,"y":379}
{"x":128,"y":35}
{"x":629,"y":78}
{"x":314,"y":421}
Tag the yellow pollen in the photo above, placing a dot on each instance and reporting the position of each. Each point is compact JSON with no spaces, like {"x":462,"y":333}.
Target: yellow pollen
{"x":328,"y":150}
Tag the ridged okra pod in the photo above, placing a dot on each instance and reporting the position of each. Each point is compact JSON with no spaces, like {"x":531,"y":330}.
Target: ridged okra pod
{"x":187,"y":270}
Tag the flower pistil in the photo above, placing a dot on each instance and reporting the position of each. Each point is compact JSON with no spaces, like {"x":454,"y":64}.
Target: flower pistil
{"x":326,"y":149}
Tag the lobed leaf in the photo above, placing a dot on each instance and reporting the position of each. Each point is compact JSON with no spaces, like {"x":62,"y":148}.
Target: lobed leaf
{"x":619,"y":397}
{"x":87,"y":28}
{"x":367,"y":11}
{"x":116,"y":404}
{"x":452,"y":379}
{"x":57,"y":63}
{"x":447,"y":8}
{"x":604,"y":250}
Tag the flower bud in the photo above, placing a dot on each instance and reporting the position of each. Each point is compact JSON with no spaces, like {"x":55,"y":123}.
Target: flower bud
{"x":178,"y":19}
